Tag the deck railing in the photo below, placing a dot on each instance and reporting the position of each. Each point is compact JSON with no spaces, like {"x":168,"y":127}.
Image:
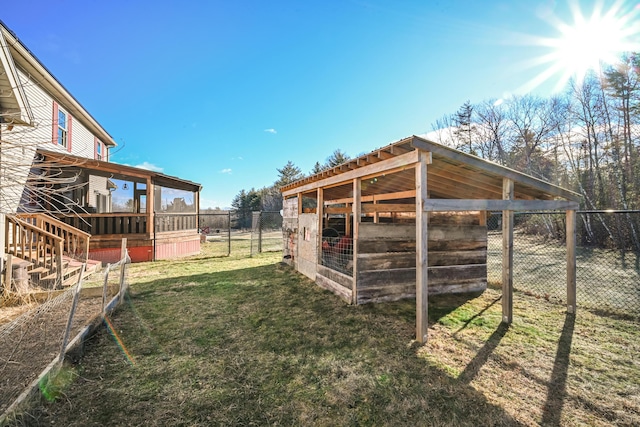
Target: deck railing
{"x":75,"y":241}
{"x":175,"y":222}
{"x":30,"y":242}
{"x":109,"y":223}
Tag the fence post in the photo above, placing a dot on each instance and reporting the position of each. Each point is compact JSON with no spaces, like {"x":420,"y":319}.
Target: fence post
{"x":571,"y":261}
{"x":507,"y":254}
{"x":229,"y":235}
{"x":74,"y":305}
{"x":260,"y":232}
{"x":123,"y":260}
{"x":104,"y":287}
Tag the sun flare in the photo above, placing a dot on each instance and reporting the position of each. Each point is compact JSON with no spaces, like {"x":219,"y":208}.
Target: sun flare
{"x":588,"y":43}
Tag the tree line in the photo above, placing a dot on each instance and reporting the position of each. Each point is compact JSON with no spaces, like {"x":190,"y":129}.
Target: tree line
{"x":269,"y":198}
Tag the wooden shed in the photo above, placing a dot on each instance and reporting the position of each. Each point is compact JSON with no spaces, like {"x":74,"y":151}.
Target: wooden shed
{"x":409,"y":220}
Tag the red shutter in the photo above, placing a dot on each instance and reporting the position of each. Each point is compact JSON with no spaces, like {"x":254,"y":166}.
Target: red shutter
{"x":69,"y":121}
{"x":95,"y":148}
{"x":55,"y":123}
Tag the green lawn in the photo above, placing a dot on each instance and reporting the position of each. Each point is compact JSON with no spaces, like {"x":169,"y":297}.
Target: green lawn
{"x":247,"y":341}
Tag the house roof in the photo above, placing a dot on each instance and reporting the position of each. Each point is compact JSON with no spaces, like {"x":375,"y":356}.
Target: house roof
{"x":451,"y":174}
{"x":117,"y":170}
{"x":19,"y":55}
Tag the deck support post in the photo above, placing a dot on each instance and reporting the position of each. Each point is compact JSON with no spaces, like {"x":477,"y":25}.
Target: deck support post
{"x":507,"y":254}
{"x":422,"y":251}
{"x":571,"y":261}
{"x":356,"y":210}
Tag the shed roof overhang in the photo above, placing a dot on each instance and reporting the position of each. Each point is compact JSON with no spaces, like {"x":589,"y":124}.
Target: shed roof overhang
{"x":451,"y":174}
{"x":100,"y":167}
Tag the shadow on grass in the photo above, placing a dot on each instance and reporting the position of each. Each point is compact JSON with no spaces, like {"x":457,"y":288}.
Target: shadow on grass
{"x":557,"y":388}
{"x":263,"y":345}
{"x":474,"y":366}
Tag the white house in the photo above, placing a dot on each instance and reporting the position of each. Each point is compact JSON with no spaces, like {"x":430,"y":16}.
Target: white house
{"x":46,"y":131}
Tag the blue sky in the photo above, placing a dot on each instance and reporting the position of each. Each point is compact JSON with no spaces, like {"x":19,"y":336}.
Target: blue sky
{"x":224,"y":92}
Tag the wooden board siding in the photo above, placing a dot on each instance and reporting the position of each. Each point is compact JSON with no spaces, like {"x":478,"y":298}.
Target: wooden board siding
{"x":334,"y":281}
{"x":290,"y":241}
{"x":387,"y":258}
{"x":308,"y":244}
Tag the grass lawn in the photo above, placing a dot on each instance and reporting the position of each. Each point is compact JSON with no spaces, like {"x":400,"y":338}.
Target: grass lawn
{"x":248,"y":341}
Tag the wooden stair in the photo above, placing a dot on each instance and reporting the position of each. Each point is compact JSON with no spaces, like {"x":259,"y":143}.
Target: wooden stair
{"x":48,"y":251}
{"x":70,"y":270}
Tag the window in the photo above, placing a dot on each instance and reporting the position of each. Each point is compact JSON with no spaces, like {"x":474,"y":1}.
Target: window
{"x":98,"y":150}
{"x":62,"y":128}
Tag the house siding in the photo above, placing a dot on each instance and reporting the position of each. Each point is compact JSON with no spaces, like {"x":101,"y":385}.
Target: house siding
{"x":42,"y":135}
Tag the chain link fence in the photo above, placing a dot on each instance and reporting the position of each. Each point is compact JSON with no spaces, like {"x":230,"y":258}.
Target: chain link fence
{"x":607,"y":258}
{"x":215,"y":231}
{"x":37,"y":334}
{"x":266,"y":232}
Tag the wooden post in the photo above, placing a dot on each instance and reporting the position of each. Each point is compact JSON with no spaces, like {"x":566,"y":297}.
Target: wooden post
{"x":376,"y":214}
{"x":7,"y":274}
{"x":320,"y":211}
{"x":347,"y":222}
{"x":74,"y":305}
{"x":151,"y":206}
{"x":123,"y":268}
{"x":422,"y":251}
{"x":571,"y":261}
{"x":59,"y":273}
{"x":105,"y":287}
{"x":356,"y":209}
{"x":507,"y":254}
{"x":229,"y":235}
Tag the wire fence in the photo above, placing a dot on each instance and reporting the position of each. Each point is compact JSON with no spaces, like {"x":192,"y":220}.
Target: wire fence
{"x":337,"y":251}
{"x":607,"y":258}
{"x":231,"y":233}
{"x":36,"y":336}
{"x":266,"y":232}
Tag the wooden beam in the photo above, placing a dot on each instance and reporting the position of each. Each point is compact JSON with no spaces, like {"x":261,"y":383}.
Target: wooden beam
{"x":320,"y":211}
{"x":422,"y":251}
{"x":492,"y":168}
{"x":400,"y":162}
{"x":443,"y":205}
{"x":357,"y":190}
{"x":571,"y":261}
{"x":378,"y":197}
{"x":389,"y":207}
{"x":299,"y":203}
{"x":507,"y":254}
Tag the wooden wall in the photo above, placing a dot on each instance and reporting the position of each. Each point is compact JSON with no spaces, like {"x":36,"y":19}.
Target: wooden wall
{"x":387,"y":258}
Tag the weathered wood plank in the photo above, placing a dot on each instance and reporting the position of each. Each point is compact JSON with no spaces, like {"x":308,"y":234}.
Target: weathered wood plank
{"x":377,"y":246}
{"x":437,"y":275}
{"x":391,"y":260}
{"x":334,"y":287}
{"x":335,"y":276}
{"x":496,"y":205}
{"x":407,"y":290}
{"x":387,"y":231}
{"x":386,"y":261}
{"x":388,"y":207}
